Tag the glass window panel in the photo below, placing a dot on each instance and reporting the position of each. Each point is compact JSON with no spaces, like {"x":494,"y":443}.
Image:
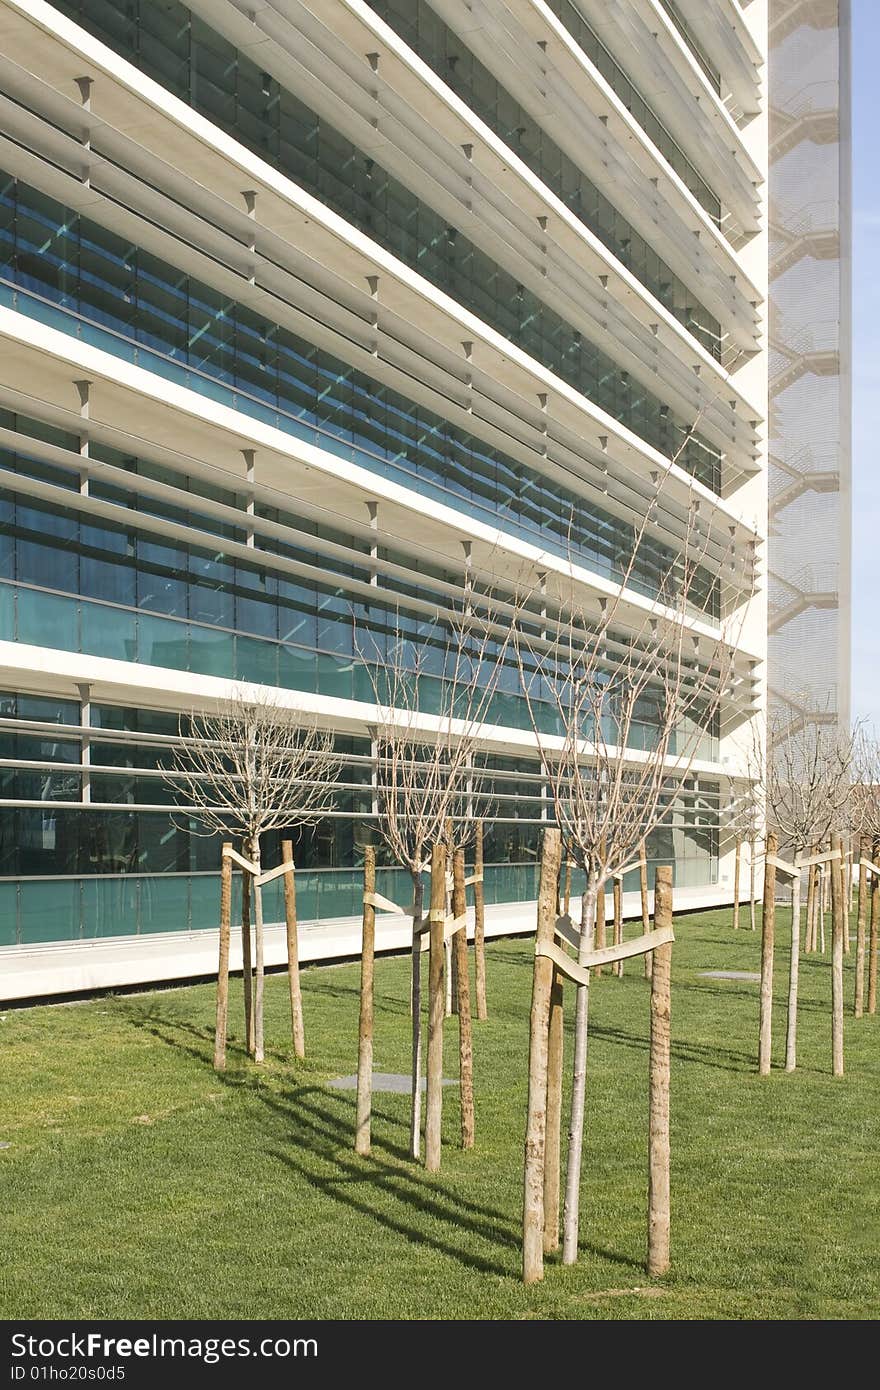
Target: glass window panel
{"x":50,"y":911}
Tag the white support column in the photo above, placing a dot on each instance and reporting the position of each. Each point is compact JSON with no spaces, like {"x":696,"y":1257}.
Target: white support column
{"x":85,"y":719}
{"x":84,"y":391}
{"x":250,"y":456}
{"x":373,"y":513}
{"x":250,"y":202}
{"x":84,"y":84}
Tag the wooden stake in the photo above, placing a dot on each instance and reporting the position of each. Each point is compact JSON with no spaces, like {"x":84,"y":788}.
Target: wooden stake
{"x":618,"y":923}
{"x":365,"y":1024}
{"x":861,"y":922}
{"x":297,"y":1027}
{"x":480,"y":927}
{"x":837,"y":916}
{"x":539,"y":1019}
{"x":767,"y":943}
{"x":436,"y":1009}
{"x":658,"y":1115}
{"x":223,"y":964}
{"x":247,"y":958}
{"x":553,"y":1145}
{"x":465,"y":1032}
{"x":753,"y":850}
{"x":643,"y":889}
{"x":736,"y":862}
{"x":415,"y":1116}
{"x":259,"y":969}
{"x":875,"y":922}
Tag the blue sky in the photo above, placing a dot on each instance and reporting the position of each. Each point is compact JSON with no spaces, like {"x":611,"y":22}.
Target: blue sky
{"x":866,"y":362}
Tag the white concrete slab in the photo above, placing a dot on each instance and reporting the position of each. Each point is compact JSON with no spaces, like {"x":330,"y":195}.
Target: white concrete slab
{"x":75,"y":967}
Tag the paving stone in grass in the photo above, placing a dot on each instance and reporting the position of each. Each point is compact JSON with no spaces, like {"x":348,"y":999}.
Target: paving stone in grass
{"x":730,"y":974}
{"x":392,"y":1081}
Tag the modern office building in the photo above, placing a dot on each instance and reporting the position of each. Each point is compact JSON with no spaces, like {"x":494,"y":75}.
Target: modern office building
{"x":309,"y":307}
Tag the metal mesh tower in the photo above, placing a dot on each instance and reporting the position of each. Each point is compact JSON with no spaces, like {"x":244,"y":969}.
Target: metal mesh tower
{"x":810,"y":465}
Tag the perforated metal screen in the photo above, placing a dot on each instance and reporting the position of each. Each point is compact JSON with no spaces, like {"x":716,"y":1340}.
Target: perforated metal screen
{"x":809,"y":547}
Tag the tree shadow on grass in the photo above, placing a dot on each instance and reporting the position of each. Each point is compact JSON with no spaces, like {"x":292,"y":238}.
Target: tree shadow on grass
{"x":401,"y":1193}
{"x":404,"y":1198}
{"x":719,"y":1058}
{"x":321,"y":1123}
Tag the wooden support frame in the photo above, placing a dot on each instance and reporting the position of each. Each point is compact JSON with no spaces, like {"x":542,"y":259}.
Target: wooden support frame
{"x":259,"y":877}
{"x":605,"y":955}
{"x":555,"y":933}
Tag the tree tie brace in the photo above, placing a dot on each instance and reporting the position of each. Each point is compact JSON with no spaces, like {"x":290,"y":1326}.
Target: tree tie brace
{"x":451,"y":925}
{"x":871,"y":867}
{"x":792,"y":870}
{"x":258,"y":876}
{"x":579,"y":971}
{"x":473,"y":878}
{"x":385,"y":905}
{"x":630,"y":869}
{"x":567,"y":931}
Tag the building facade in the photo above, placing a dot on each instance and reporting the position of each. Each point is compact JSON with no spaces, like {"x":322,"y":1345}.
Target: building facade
{"x":310,"y":307}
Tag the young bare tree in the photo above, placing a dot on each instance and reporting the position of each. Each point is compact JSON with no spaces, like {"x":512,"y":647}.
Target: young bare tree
{"x":433,"y":685}
{"x":245,"y":768}
{"x":745,"y":819}
{"x":865,"y":816}
{"x":807,"y":773}
{"x":630,"y":692}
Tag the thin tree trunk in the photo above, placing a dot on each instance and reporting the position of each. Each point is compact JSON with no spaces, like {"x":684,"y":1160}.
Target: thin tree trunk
{"x":861,"y":921}
{"x":736,"y":862}
{"x":811,"y":906}
{"x":767,"y":943}
{"x":579,"y":1080}
{"x":566,"y":905}
{"x":449,"y":954}
{"x":436,"y":994}
{"x":297,"y":1026}
{"x":480,"y":927}
{"x":247,"y":957}
{"x":448,"y":976}
{"x":794,"y":969}
{"x":823,"y":904}
{"x":658,"y":1112}
{"x":837,"y":916}
{"x":601,"y":936}
{"x":536,"y":1119}
{"x":753,"y":849}
{"x":617,"y":891}
{"x":646,"y":919}
{"x":875,"y":923}
{"x":365,"y":1022}
{"x":465,"y":1031}
{"x":845,"y":877}
{"x":552,"y":1150}
{"x":259,"y":944}
{"x":415,"y":1114}
{"x":223,"y":963}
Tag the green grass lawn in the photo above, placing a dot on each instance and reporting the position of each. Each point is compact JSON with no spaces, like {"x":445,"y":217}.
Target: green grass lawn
{"x":140,"y":1184}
